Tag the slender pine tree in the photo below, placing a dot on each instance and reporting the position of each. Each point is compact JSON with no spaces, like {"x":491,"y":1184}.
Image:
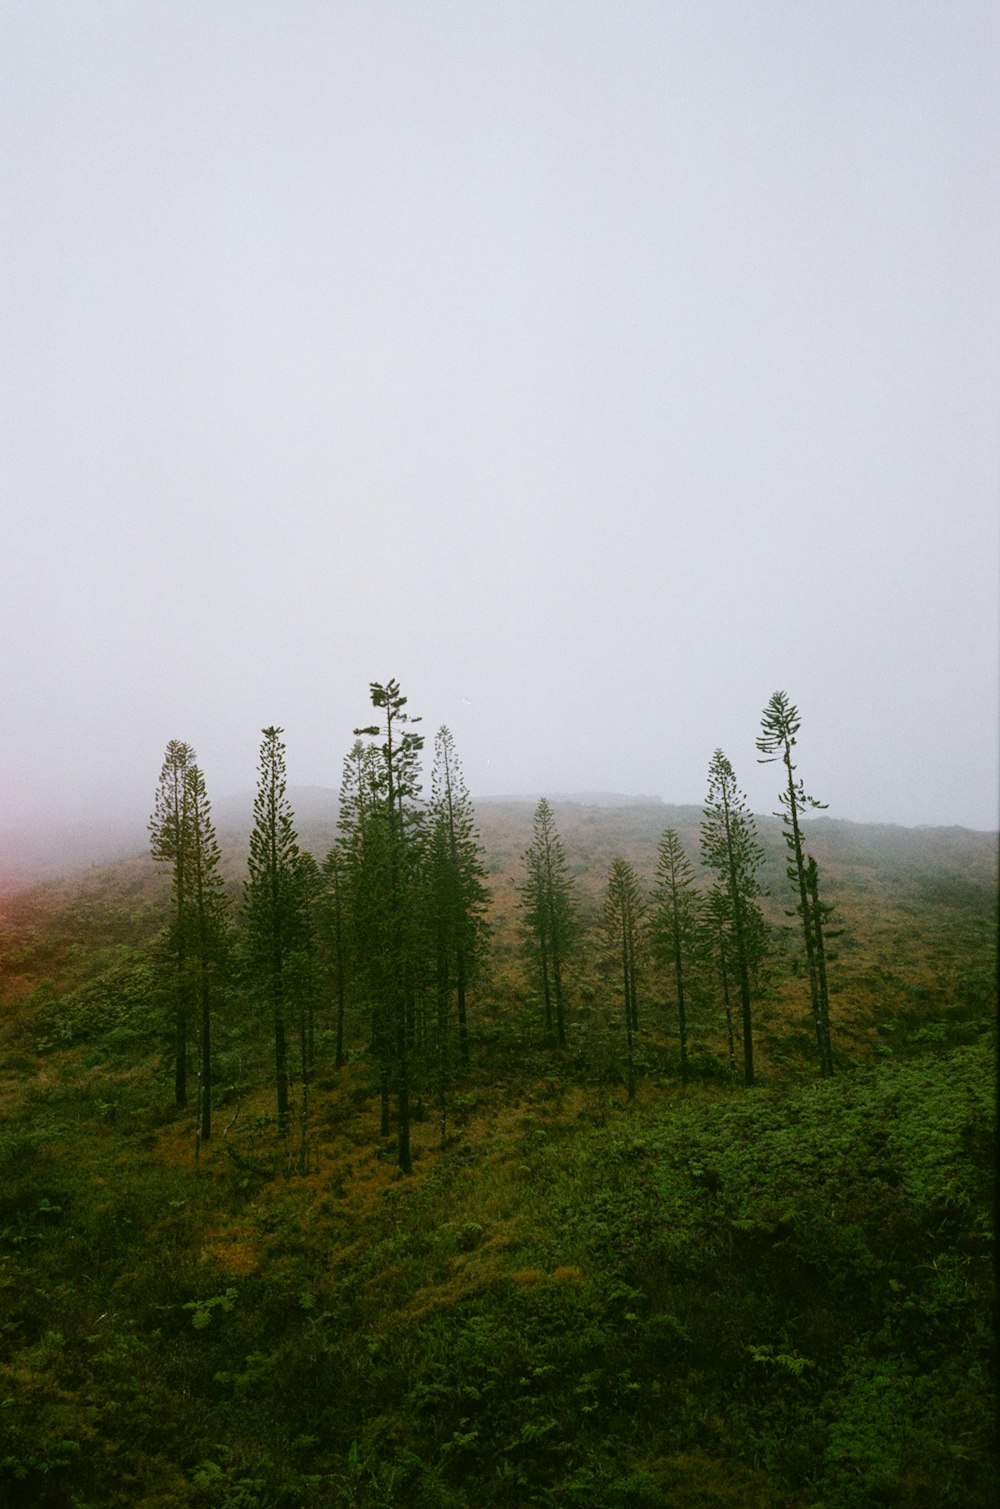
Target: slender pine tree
{"x":674,"y":925}
{"x":729,"y":847}
{"x":384,"y":835}
{"x":275,"y":902}
{"x":457,"y":888}
{"x":780,"y":724}
{"x":550,"y":913}
{"x":623,"y":912}
{"x":207,"y":911}
{"x":170,"y":843}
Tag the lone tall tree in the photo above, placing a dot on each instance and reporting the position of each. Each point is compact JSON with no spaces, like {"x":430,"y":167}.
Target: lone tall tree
{"x":780,"y":723}
{"x":674,"y":923}
{"x":170,"y":842}
{"x":549,"y":910}
{"x":275,"y":900}
{"x":729,"y":847}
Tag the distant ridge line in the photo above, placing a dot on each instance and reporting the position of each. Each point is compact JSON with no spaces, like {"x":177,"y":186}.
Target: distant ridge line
{"x":577,"y":798}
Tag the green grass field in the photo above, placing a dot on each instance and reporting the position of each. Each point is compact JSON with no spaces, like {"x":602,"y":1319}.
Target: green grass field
{"x":707,"y":1297}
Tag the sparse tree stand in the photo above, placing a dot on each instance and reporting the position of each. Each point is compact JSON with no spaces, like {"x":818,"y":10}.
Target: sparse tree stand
{"x":549,"y":910}
{"x":780,"y":724}
{"x":674,"y":923}
{"x":729,"y":847}
{"x":394,"y":824}
{"x":275,"y":904}
{"x":623,"y":909}
{"x":170,"y":839}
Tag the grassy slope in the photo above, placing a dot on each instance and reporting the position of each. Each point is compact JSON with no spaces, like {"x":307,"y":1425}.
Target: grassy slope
{"x":706,"y":1298}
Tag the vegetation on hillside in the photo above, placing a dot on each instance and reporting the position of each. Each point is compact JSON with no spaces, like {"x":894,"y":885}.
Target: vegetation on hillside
{"x":609,"y":1274}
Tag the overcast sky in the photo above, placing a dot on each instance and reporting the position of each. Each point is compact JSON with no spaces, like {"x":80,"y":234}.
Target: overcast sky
{"x":593,"y":368}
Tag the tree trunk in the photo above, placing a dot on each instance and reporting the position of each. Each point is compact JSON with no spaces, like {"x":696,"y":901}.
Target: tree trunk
{"x":628,"y":993}
{"x":403,"y":1099}
{"x":180,"y":1048}
{"x":281,"y":1063}
{"x":681,"y":1015}
{"x":558,"y":993}
{"x":206,"y":1062}
{"x":816,"y":910}
{"x":546,"y":989}
{"x":463,"y":1026}
{"x":730,"y":1033}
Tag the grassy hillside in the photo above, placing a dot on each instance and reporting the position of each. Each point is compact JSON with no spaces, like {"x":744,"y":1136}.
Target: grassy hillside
{"x":707,"y":1297}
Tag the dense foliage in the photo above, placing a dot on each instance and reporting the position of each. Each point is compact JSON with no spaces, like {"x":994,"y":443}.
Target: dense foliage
{"x":700,"y":1297}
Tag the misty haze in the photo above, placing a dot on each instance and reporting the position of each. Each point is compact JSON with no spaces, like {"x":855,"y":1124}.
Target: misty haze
{"x":499,"y":796}
{"x":592,"y":371}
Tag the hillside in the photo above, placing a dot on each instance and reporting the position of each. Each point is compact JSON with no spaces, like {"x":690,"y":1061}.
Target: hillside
{"x":918,"y":904}
{"x":707,"y":1297}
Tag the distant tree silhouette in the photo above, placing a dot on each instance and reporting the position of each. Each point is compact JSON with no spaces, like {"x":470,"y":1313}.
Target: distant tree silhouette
{"x":780,"y":724}
{"x":729,"y":847}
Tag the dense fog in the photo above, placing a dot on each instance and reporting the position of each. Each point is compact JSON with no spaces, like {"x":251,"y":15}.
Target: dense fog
{"x":595,"y":371}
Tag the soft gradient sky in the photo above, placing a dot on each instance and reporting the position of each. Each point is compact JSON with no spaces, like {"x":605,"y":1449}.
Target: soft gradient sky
{"x":594,"y":368}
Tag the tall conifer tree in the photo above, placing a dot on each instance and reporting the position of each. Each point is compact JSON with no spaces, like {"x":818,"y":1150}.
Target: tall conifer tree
{"x":275,"y":901}
{"x":623,"y":911}
{"x":170,"y":843}
{"x":207,"y":912}
{"x":674,"y":924}
{"x":730,"y":848}
{"x":549,"y":910}
{"x":384,"y":837}
{"x":780,"y":724}
{"x":457,"y":880}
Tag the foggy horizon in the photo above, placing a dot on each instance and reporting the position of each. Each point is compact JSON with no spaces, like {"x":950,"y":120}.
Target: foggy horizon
{"x":134,"y":814}
{"x":594,"y":371}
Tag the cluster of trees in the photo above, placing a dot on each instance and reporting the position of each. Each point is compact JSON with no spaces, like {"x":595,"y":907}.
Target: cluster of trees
{"x":715,"y":932}
{"x":394,"y":919}
{"x":408,"y":905}
{"x":182,"y":835}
